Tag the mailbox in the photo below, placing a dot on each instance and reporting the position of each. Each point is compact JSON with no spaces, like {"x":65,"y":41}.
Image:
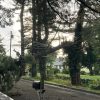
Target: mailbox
{"x":36,"y":85}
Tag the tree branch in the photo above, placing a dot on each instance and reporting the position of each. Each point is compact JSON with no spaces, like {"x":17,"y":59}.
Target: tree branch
{"x":57,"y":12}
{"x":86,"y":5}
{"x":62,"y":45}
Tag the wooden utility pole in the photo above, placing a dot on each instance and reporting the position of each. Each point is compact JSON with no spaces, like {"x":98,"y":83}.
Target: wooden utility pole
{"x":22,"y":37}
{"x":11,"y":36}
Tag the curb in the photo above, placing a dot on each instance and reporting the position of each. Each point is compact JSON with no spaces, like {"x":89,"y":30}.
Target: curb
{"x":82,"y":90}
{"x":67,"y":87}
{"x":4,"y":97}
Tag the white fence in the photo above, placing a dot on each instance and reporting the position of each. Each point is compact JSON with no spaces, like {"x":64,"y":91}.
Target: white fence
{"x":4,"y":97}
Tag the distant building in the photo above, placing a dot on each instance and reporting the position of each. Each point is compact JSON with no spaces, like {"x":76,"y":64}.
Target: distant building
{"x":59,"y":63}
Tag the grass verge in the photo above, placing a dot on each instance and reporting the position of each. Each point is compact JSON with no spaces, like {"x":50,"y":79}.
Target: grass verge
{"x":64,"y":83}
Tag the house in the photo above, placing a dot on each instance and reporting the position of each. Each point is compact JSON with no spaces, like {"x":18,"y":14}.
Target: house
{"x":59,"y":63}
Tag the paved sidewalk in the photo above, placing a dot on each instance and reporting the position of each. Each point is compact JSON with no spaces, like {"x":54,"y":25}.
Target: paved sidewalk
{"x":4,"y":97}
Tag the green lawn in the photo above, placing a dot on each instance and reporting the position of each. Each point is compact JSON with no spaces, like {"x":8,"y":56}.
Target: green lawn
{"x":96,"y":77}
{"x":59,"y":82}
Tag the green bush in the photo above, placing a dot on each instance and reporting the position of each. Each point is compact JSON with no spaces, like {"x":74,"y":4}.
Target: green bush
{"x":95,"y":85}
{"x":83,"y":73}
{"x":9,"y":73}
{"x":56,"y":70}
{"x":65,"y":71}
{"x":91,"y":83}
{"x":86,"y":81}
{"x":49,"y":74}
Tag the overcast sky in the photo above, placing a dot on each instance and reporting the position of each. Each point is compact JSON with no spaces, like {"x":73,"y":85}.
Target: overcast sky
{"x":5,"y":33}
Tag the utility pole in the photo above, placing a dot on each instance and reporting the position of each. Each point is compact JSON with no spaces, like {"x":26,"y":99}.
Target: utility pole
{"x":11,"y":36}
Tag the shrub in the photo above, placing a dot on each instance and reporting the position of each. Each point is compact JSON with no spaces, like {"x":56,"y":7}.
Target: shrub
{"x":56,"y":70}
{"x":86,"y":81}
{"x":83,"y":73}
{"x":95,"y":85}
{"x":65,"y":71}
{"x":49,"y":74}
{"x":9,"y":73}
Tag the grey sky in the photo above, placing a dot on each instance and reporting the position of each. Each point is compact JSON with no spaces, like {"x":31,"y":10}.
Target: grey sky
{"x":5,"y":32}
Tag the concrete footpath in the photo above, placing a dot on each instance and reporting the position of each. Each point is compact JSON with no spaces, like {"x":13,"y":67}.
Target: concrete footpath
{"x":4,"y":97}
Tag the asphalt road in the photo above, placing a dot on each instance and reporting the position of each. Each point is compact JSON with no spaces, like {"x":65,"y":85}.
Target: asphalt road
{"x":24,"y":91}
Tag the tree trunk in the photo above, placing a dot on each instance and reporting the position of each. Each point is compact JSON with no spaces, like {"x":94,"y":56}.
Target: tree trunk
{"x":22,"y":39}
{"x":42,"y":68}
{"x":34,"y":70}
{"x":75,"y":51}
{"x":74,"y":66}
{"x":91,"y":70}
{"x":90,"y":58}
{"x":75,"y":76}
{"x":39,"y":19}
{"x":45,"y":21}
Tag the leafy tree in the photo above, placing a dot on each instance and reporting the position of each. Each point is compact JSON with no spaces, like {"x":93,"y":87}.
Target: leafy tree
{"x":40,"y":33}
{"x":50,"y":59}
{"x":2,"y":49}
{"x":22,"y":3}
{"x":76,"y":55}
{"x":91,"y":36}
{"x":29,"y":60}
{"x":6,"y":16}
{"x":89,"y":59}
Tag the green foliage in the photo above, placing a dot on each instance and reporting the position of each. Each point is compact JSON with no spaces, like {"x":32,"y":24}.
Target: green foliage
{"x":9,"y":72}
{"x":95,"y":77}
{"x":59,"y":82}
{"x":2,"y":49}
{"x":49,"y":73}
{"x":65,"y":71}
{"x":6,"y":15}
{"x":86,"y":82}
{"x":89,"y":58}
{"x":56,"y":70}
{"x":92,"y":82}
{"x":83,"y":73}
{"x":62,"y":76}
{"x":51,"y":58}
{"x":97,"y":67}
{"x":95,"y":85}
{"x":91,"y":35}
{"x":30,"y":63}
{"x":29,"y":59}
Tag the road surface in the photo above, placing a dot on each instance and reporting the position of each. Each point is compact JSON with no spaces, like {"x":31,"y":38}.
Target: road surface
{"x":24,"y":91}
